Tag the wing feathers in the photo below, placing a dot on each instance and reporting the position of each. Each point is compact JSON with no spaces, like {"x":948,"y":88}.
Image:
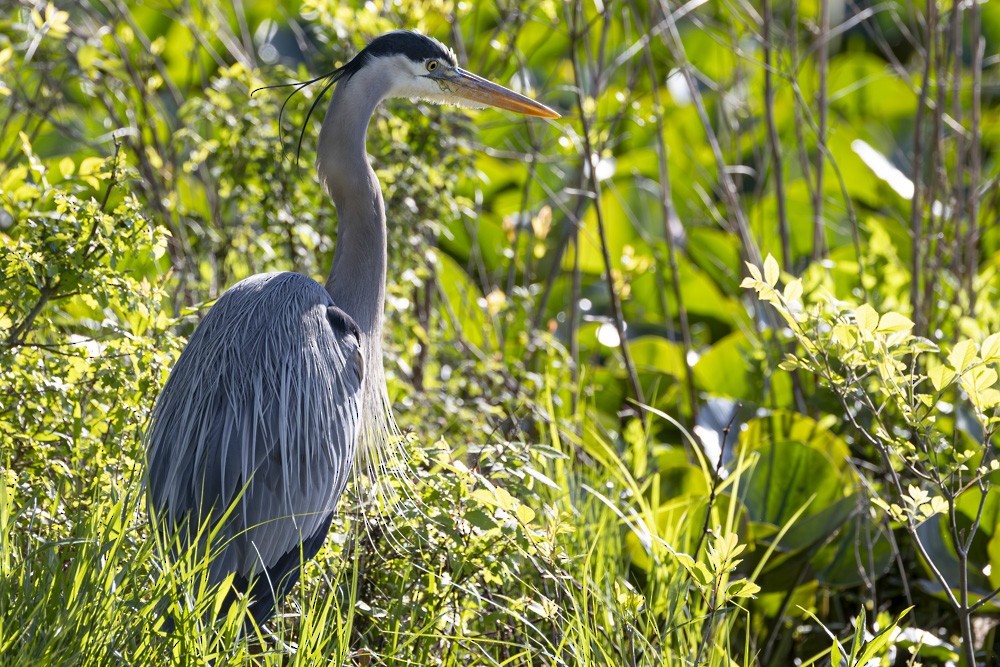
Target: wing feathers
{"x":266,"y":396}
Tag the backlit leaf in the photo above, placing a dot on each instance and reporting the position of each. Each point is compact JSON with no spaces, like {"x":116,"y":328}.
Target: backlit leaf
{"x":893,"y":322}
{"x":962,"y":355}
{"x":941,"y":376}
{"x":771,"y":271}
{"x":990,"y":350}
{"x":866,"y":317}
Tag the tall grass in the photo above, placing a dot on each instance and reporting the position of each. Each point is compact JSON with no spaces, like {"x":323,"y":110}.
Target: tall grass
{"x":553,"y":585}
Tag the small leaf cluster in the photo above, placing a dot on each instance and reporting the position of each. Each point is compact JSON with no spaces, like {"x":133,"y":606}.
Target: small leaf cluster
{"x":81,"y":311}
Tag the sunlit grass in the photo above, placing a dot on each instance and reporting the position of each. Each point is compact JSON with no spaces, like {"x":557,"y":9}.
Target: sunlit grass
{"x":563,"y":591}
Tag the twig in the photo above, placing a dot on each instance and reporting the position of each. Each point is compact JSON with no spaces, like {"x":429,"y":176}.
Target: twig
{"x":595,"y":186}
{"x":774,"y":142}
{"x":822,"y":66}
{"x":916,"y":209}
{"x":738,"y":221}
{"x":669,"y":214}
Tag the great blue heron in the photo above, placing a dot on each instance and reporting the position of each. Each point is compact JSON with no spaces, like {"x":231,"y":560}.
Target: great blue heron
{"x":261,"y":416}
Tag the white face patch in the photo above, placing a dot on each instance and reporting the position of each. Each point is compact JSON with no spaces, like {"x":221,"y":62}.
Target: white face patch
{"x":409,"y":80}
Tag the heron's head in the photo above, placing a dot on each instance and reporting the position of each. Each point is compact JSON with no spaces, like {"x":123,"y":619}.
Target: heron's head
{"x":420,"y":67}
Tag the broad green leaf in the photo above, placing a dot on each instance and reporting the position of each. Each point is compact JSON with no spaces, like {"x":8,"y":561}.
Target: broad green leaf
{"x":659,"y":355}
{"x":480,"y":519}
{"x":789,"y":476}
{"x":837,"y":564}
{"x":722,"y":369}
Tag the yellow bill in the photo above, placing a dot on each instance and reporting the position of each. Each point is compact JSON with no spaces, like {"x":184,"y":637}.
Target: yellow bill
{"x":479,"y":91}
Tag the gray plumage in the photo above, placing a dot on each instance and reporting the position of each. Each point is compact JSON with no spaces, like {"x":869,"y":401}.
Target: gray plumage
{"x":274,"y":407}
{"x":255,"y":433}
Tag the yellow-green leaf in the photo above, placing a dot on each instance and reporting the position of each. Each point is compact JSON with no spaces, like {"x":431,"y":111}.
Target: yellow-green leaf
{"x":893,"y":322}
{"x":793,"y":290}
{"x":989,"y":399}
{"x":978,"y":383}
{"x":91,"y":165}
{"x":66,"y":167}
{"x":984,"y":377}
{"x":524,"y":513}
{"x":742,"y":588}
{"x":941,"y":376}
{"x":771,"y":271}
{"x":867,"y":318}
{"x":962,"y":355}
{"x":990,"y":350}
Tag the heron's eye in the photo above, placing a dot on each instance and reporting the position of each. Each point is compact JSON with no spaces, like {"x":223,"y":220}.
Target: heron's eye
{"x":432,"y":65}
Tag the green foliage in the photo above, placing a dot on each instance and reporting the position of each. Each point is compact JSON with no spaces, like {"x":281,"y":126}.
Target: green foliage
{"x":805,"y":476}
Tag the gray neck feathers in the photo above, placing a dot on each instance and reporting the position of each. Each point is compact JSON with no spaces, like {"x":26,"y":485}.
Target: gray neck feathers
{"x":357,"y":279}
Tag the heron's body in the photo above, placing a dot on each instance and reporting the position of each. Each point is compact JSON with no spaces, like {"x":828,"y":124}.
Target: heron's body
{"x":272,"y":405}
{"x":255,"y":432}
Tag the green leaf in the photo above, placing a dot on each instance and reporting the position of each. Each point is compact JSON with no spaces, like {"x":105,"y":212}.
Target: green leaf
{"x":941,"y":376}
{"x":742,"y":588}
{"x":836,"y":564}
{"x":655,"y":354}
{"x":723,"y":369}
{"x":990,"y":350}
{"x":866,"y":317}
{"x":978,"y":383}
{"x":541,"y":477}
{"x":836,"y":657}
{"x":772,"y":272}
{"x":701,"y":574}
{"x":480,"y":519}
{"x":793,"y":290}
{"x":893,"y":322}
{"x":524,"y":513}
{"x":878,"y":644}
{"x":789,"y":476}
{"x":697,"y":570}
{"x":860,"y":623}
{"x":962,"y":355}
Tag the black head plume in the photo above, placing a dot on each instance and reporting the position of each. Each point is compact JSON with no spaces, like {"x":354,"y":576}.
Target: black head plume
{"x":413,"y":45}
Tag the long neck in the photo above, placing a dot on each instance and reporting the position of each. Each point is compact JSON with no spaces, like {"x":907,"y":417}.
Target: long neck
{"x":357,"y":279}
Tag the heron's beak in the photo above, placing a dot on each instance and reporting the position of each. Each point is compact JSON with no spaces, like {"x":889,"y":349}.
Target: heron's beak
{"x":478,"y":90}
